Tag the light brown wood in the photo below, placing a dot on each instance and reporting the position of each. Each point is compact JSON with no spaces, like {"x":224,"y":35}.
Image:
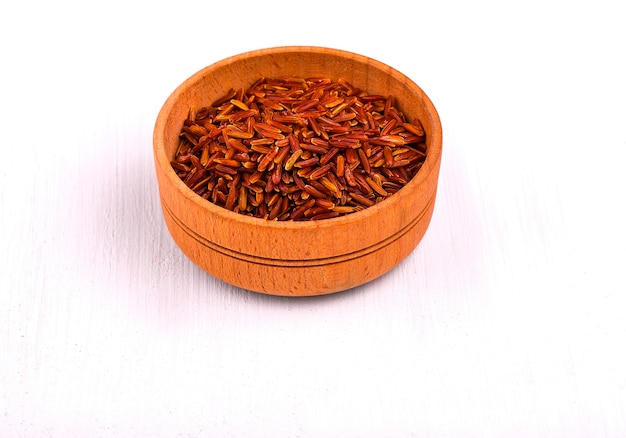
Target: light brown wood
{"x":296,"y":258}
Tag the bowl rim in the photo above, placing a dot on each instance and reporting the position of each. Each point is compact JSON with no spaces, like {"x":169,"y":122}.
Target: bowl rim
{"x":431,"y":163}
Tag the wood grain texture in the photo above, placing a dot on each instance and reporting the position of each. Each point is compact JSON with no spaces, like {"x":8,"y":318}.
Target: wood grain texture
{"x":286,"y":257}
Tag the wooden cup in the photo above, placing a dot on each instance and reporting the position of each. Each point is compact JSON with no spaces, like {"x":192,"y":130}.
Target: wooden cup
{"x":307,"y":257}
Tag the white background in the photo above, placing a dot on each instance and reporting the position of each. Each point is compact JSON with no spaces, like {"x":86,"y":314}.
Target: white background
{"x":507,"y":320}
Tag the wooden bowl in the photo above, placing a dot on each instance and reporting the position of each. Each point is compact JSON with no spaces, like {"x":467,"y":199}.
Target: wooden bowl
{"x":296,"y":258}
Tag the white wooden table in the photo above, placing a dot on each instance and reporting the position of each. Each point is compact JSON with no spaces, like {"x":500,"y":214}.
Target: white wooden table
{"x":507,"y":320}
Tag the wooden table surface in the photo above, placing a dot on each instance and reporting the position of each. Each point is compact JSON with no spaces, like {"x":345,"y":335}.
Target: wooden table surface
{"x":507,"y":320}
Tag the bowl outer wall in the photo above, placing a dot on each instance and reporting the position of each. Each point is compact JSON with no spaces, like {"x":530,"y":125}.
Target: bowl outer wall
{"x":310,"y":240}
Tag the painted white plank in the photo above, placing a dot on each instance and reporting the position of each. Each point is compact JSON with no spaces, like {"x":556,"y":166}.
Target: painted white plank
{"x":506,"y":320}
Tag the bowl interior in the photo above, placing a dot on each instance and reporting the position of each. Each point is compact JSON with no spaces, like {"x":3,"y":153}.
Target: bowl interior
{"x":212,"y":82}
